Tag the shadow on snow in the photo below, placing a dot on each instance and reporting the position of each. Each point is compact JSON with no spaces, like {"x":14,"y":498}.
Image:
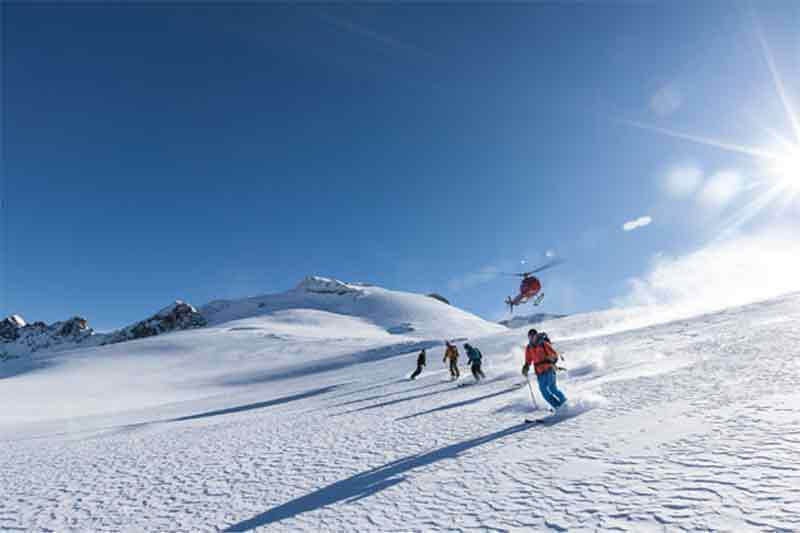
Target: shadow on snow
{"x":383,"y":385}
{"x":462,"y":403}
{"x":207,"y":414}
{"x":395,"y":401}
{"x":256,"y":405}
{"x":379,"y":396}
{"x":333,"y":363}
{"x":368,"y":483}
{"x":231,"y":410}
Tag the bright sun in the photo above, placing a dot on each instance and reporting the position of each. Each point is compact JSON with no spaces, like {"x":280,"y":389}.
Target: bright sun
{"x":787,"y":170}
{"x":778,"y":182}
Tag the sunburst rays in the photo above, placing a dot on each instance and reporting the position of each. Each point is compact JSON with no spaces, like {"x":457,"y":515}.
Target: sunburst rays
{"x":779,"y":186}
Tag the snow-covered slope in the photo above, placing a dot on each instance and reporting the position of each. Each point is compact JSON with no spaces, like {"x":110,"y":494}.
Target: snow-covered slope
{"x":415,"y":315}
{"x":319,"y":326}
{"x":303,"y":420}
{"x":519,"y":321}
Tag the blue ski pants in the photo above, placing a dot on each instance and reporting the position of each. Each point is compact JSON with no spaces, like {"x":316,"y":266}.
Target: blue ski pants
{"x":549,"y":389}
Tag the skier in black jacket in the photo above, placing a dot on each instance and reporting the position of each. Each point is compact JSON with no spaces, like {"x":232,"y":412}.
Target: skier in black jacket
{"x":421,"y":360}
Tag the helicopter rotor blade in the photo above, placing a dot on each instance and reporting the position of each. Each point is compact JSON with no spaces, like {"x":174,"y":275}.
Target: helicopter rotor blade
{"x":551,"y":264}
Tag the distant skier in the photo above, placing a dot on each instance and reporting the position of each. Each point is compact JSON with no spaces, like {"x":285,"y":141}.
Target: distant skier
{"x":451,"y":354}
{"x":544,"y":358}
{"x":421,"y":360}
{"x":475,"y":356}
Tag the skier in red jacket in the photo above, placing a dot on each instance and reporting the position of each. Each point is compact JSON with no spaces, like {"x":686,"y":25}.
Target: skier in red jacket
{"x":543,"y":357}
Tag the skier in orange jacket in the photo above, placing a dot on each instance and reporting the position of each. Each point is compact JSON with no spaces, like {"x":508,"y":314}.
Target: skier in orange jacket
{"x":451,"y":353}
{"x":543,"y":357}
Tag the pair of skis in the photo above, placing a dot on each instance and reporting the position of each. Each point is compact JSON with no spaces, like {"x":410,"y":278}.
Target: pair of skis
{"x":554,"y":415}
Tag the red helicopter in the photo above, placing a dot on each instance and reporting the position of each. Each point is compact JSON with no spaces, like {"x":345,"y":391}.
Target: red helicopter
{"x":530,"y":286}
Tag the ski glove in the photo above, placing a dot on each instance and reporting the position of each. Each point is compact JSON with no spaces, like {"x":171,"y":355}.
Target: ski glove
{"x":525,"y":368}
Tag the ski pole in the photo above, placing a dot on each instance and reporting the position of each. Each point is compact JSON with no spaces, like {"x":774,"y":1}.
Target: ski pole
{"x":533,"y":398}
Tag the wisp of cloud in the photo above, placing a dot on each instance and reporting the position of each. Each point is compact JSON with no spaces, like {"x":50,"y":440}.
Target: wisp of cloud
{"x":637,"y":223}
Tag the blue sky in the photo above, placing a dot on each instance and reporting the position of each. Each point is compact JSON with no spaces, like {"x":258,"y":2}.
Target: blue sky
{"x":201,"y":151}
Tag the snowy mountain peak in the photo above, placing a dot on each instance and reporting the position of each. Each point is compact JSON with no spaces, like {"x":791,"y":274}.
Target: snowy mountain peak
{"x":178,"y":306}
{"x":321,"y":285}
{"x":395,"y":312}
{"x":317,"y":302}
{"x":10,"y":326}
{"x":177,"y":316}
{"x":16,"y":340}
{"x":74,"y":327}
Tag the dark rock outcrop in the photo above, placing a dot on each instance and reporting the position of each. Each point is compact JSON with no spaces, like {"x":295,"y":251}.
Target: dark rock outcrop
{"x":437,"y":296}
{"x":19,"y":339}
{"x":10,"y":326}
{"x":177,"y":316}
{"x":320,"y":285}
{"x":73,"y":327}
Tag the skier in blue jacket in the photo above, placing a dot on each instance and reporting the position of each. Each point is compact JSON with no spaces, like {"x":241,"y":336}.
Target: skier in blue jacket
{"x":474,"y":357}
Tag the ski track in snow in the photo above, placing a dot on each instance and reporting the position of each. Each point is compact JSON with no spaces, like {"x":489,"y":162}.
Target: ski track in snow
{"x":708,"y":443}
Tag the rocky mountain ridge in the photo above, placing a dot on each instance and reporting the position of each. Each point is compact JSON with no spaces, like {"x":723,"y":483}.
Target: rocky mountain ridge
{"x":19,"y":338}
{"x":397,"y":312}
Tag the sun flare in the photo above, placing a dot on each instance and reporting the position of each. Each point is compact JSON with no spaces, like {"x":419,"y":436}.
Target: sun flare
{"x":776,"y":183}
{"x":787,"y":171}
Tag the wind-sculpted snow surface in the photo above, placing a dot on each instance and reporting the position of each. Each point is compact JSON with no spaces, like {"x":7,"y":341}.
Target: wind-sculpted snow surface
{"x":689,"y":425}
